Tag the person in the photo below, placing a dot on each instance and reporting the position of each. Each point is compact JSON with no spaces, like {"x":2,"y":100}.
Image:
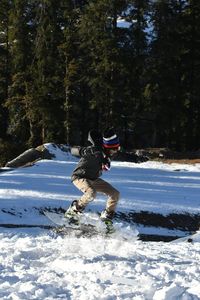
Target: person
{"x":86,"y":176}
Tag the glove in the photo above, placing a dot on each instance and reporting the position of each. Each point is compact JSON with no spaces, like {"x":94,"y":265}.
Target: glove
{"x":106,"y":164}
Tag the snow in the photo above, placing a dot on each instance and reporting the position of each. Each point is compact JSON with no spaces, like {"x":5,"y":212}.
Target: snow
{"x":36,"y":263}
{"x":122,"y":23}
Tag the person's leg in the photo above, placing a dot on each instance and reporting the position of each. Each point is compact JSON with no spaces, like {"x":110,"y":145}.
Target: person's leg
{"x":104,"y":187}
{"x":89,"y":192}
{"x":89,"y":189}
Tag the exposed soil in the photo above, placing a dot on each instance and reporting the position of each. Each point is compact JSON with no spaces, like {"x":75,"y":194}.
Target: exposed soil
{"x":184,"y":222}
{"x":179,"y":161}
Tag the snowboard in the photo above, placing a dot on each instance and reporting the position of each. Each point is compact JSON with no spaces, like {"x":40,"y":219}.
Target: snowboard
{"x":85,"y":225}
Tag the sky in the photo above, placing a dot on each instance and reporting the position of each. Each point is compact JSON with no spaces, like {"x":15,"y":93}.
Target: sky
{"x":37,"y":263}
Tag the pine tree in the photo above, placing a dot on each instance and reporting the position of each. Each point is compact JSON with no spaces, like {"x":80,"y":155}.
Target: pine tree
{"x":76,"y":91}
{"x":48,"y":73}
{"x":191,"y":78}
{"x":4,"y":65}
{"x":66,"y":67}
{"x":101,"y":41}
{"x":165,"y":88}
{"x":19,"y":50}
{"x":136,"y":50}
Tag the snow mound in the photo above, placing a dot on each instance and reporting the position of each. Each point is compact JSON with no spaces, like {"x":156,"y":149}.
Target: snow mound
{"x":155,"y":165}
{"x":60,"y":152}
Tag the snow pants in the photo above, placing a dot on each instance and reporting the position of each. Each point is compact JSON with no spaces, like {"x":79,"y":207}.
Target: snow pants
{"x":91,"y":187}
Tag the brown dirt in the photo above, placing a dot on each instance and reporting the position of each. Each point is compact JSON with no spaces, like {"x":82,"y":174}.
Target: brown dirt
{"x":179,"y":161}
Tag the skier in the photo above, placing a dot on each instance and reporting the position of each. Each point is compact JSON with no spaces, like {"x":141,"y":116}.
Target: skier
{"x":86,"y":176}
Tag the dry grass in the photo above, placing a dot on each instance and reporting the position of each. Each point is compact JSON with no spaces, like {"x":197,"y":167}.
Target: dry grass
{"x":180,"y":161}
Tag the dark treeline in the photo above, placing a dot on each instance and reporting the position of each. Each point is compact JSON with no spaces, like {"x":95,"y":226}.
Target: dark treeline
{"x":69,"y":66}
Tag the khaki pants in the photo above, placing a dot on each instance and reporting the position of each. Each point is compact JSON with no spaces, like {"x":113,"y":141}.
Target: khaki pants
{"x":91,"y":187}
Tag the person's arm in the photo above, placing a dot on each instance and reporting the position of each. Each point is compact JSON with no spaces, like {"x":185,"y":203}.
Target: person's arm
{"x":80,"y":151}
{"x":75,"y":151}
{"x":106,"y":164}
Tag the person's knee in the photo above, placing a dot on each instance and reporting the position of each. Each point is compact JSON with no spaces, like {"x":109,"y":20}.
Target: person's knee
{"x":91,"y":194}
{"x":116,"y":195}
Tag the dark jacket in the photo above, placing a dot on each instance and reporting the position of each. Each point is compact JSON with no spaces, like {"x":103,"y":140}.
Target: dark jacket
{"x":90,"y":164}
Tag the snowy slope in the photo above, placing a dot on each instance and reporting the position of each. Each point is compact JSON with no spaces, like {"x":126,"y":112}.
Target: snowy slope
{"x":149,"y":186}
{"x":37,"y":264}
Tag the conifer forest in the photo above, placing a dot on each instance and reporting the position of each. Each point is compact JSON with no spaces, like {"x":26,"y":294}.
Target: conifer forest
{"x":67,"y":66}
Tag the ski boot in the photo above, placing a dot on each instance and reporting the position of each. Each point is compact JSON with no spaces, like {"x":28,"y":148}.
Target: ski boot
{"x":73,"y":212}
{"x":107,"y":217}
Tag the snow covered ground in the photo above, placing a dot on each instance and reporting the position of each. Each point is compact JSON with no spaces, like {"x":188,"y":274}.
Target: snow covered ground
{"x":37,"y":264}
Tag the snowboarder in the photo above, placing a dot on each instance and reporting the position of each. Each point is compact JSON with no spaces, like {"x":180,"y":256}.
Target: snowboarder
{"x":86,"y":176}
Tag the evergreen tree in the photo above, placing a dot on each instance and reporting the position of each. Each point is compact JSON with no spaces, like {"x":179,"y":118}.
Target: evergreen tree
{"x":76,"y":92}
{"x":4,"y":65}
{"x":66,"y":66}
{"x":165,"y":90}
{"x":100,"y":37}
{"x":19,"y":50}
{"x":48,"y":72}
{"x":136,"y":60}
{"x":191,"y":78}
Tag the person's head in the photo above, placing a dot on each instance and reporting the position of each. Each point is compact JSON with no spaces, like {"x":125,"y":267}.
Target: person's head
{"x":95,"y":137}
{"x":111,"y":143}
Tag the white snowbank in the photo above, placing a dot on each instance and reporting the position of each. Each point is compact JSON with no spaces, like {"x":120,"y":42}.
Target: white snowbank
{"x":43,"y":266}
